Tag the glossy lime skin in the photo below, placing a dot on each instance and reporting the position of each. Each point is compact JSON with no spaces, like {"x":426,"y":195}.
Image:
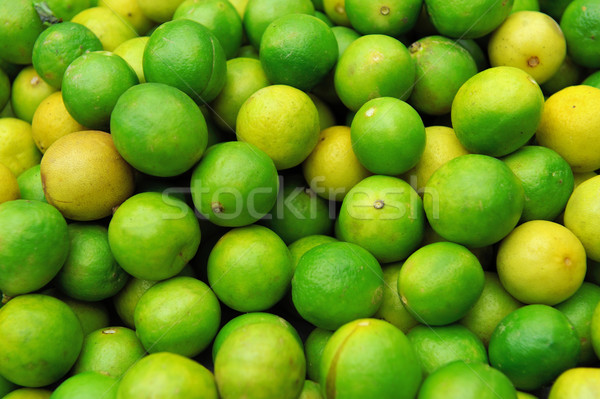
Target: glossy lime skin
{"x":88,"y":385}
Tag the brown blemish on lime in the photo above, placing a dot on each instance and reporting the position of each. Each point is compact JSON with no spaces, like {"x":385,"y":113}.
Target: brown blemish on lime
{"x":339,"y":8}
{"x":217,"y":207}
{"x":332,"y":374}
{"x":413,"y":48}
{"x":34,"y":81}
{"x":533,"y":61}
{"x":568,"y":261}
{"x":379,"y":204}
{"x":385,"y":10}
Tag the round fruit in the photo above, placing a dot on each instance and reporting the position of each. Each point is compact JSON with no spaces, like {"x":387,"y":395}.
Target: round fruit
{"x":131,"y":12}
{"x":132,"y":51}
{"x":581,"y":383}
{"x":578,"y":23}
{"x":127,"y":299}
{"x":392,"y":309}
{"x":313,"y":349}
{"x":30,"y":184}
{"x":392,"y":18}
{"x":20,"y":26}
{"x":89,"y":385}
{"x":9,"y":185}
{"x":304,"y":244}
{"x":27,"y":92}
{"x":18,"y":151}
{"x":91,"y":315}
{"x":582,"y":214}
{"x":29,"y":393}
{"x":109,"y":27}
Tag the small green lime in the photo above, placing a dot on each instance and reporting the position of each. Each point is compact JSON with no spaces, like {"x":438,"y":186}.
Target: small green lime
{"x":89,"y":385}
{"x":91,"y":315}
{"x":20,"y":25}
{"x":30,"y":184}
{"x":127,"y":299}
{"x":313,"y":349}
{"x":304,"y":244}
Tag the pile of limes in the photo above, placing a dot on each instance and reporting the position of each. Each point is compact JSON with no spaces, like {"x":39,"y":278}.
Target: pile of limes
{"x":300,"y":199}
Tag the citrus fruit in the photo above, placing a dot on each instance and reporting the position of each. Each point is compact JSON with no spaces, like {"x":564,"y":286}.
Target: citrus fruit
{"x":438,"y":346}
{"x":240,"y":6}
{"x":235,"y":184}
{"x":67,"y":9}
{"x":248,"y":51}
{"x":310,"y":390}
{"x":541,"y":262}
{"x":20,"y":26}
{"x":35,"y":244}
{"x":326,"y":116}
{"x":440,"y":282}
{"x":89,"y":385}
{"x":313,"y":349}
{"x":437,"y":82}
{"x":462,"y":380}
{"x":29,"y":393}
{"x":6,"y":386}
{"x":84,"y":176}
{"x":441,"y":145}
{"x":90,"y":272}
{"x":568,"y":74}
{"x":493,"y":305}
{"x":245,"y":76}
{"x":581,"y":383}
{"x":41,"y":340}
{"x":581,"y":216}
{"x":262,"y":361}
{"x":287,"y":139}
{"x":250,"y":268}
{"x":130,"y":12}
{"x":220,"y":17}
{"x":336,"y":283}
{"x":126,"y":300}
{"x":91,"y":315}
{"x":180,"y":315}
{"x":109,"y":27}
{"x":497,"y":111}
{"x":152,"y":239}
{"x":374,"y":66}
{"x":92,"y":84}
{"x":132,"y":51}
{"x":546,"y":178}
{"x":554,"y":8}
{"x":52,"y":121}
{"x":9,"y":185}
{"x":388,"y":136}
{"x":4,"y":89}
{"x":592,"y":80}
{"x":332,"y":168}
{"x":519,"y":346}
{"x":167,"y":375}
{"x":392,"y":18}
{"x":525,"y":395}
{"x":595,"y":330}
{"x":298,"y":50}
{"x":579,"y":178}
{"x":260,"y":13}
{"x":186,"y":55}
{"x":28,"y":91}
{"x":384,"y":215}
{"x":336,"y":11}
{"x":465,"y":19}
{"x":578,"y":23}
{"x":473,"y":200}
{"x":531,"y":41}
{"x":369,"y":358}
{"x":158,"y":129}
{"x":299,"y":212}
{"x":525,"y":5}
{"x":159,"y":10}
{"x":110,"y":351}
{"x":58,"y":46}
{"x":304,"y":244}
{"x":392,"y":309}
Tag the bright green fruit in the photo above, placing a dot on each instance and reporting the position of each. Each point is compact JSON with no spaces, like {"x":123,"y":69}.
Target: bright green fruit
{"x":313,"y":349}
{"x":89,"y":385}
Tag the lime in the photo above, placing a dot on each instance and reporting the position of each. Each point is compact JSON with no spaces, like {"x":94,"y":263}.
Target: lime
{"x":186,"y":55}
{"x":519,"y":346}
{"x":67,"y":9}
{"x":568,"y":74}
{"x":35,"y":244}
{"x":388,"y":136}
{"x":28,"y":91}
{"x":20,"y":26}
{"x":6,"y":386}
{"x":9,"y":185}
{"x":159,"y":10}
{"x":438,"y":346}
{"x":158,"y":129}
{"x":481,"y":58}
{"x":248,"y":51}
{"x":579,"y":178}
{"x":546,"y":178}
{"x":336,"y":11}
{"x":126,"y":300}
{"x":592,"y":80}
{"x":392,"y":309}
{"x":554,"y":8}
{"x":89,"y":385}
{"x":29,"y":393}
{"x":235,"y":184}
{"x":442,"y":67}
{"x":132,"y":51}
{"x":582,"y":214}
{"x":321,"y":15}
{"x":129,"y":11}
{"x":250,"y":268}
{"x":578,"y":23}
{"x":524,"y":395}
{"x":310,"y":390}
{"x":58,"y":46}
{"x":525,"y":5}
{"x":167,"y":375}
{"x":304,"y":244}
{"x":92,"y":84}
{"x":581,"y":383}
{"x":109,"y":27}
{"x":91,"y":315}
{"x":474,"y":200}
{"x":220,"y":17}
{"x":336,"y":283}
{"x":392,"y":18}
{"x":4,"y":89}
{"x":332,"y":168}
{"x":41,"y":339}
{"x":384,"y":215}
{"x":369,"y":358}
{"x":240,"y":6}
{"x":569,"y":126}
{"x":287,"y":139}
{"x":298,"y":50}
{"x":374,"y":66}
{"x":314,"y":346}
{"x":497,"y":111}
{"x":326,"y":116}
{"x":440,"y":282}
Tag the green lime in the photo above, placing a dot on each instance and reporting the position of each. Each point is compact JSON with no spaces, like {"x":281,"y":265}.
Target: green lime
{"x":298,"y":50}
{"x":392,"y":18}
{"x":91,"y":315}
{"x":313,"y":349}
{"x":180,"y":315}
{"x":321,"y":15}
{"x":592,"y":80}
{"x":442,"y":67}
{"x":159,"y":10}
{"x":304,"y":244}
{"x":250,"y":268}
{"x":89,"y":385}
{"x":132,"y":51}
{"x":235,"y":184}
{"x":30,"y":184}
{"x":384,"y":215}
{"x":27,"y":92}
{"x":261,"y":361}
{"x":186,"y":55}
{"x":4,"y":89}
{"x":481,"y":58}
{"x":127,"y":299}
{"x":554,"y":8}
{"x":473,"y":200}
{"x":92,"y":84}
{"x":438,"y":346}
{"x":158,"y":129}
{"x":167,"y":375}
{"x":29,"y":393}
{"x":152,"y":237}
{"x":41,"y":339}
{"x":20,"y":26}
{"x":568,"y":74}
{"x":110,"y":27}
{"x":220,"y":17}
{"x":336,"y":283}
{"x":579,"y":26}
{"x":519,"y":346}
{"x":525,"y":5}
{"x":248,"y":51}
{"x":369,"y":358}
{"x":374,"y":66}
{"x":388,"y":136}
{"x":595,"y":330}
{"x":35,"y":244}
{"x":310,"y":390}
{"x":392,"y":309}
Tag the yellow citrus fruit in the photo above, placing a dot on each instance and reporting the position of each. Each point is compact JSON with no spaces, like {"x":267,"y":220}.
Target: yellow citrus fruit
{"x":336,"y":11}
{"x":392,"y":309}
{"x":240,"y":7}
{"x":579,"y":178}
{"x":159,"y":10}
{"x":570,"y":125}
{"x":9,"y":187}
{"x":84,"y":176}
{"x":579,"y":382}
{"x":132,"y":51}
{"x":332,"y":168}
{"x":28,"y":91}
{"x":525,"y":395}
{"x":541,"y":262}
{"x":130,"y":11}
{"x":531,"y":41}
{"x":107,"y":25}
{"x":51,"y":121}
{"x":582,"y":216}
{"x":18,"y":151}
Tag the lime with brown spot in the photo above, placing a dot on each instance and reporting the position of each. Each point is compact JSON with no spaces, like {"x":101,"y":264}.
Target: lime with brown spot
{"x":27,"y":92}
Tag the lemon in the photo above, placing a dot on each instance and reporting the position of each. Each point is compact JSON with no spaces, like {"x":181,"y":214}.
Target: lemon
{"x":580,"y":383}
{"x":9,"y":187}
{"x":582,"y":216}
{"x":107,"y":25}
{"x":132,"y":51}
{"x":129,"y":11}
{"x":18,"y":151}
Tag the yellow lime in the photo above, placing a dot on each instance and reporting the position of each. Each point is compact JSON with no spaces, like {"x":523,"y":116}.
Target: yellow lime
{"x":18,"y":151}
{"x":159,"y":10}
{"x":391,"y":18}
{"x":132,"y":51}
{"x":582,"y":216}
{"x":336,"y":11}
{"x":28,"y":91}
{"x":580,"y":383}
{"x":9,"y":187}
{"x":109,"y":26}
{"x":130,"y":11}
